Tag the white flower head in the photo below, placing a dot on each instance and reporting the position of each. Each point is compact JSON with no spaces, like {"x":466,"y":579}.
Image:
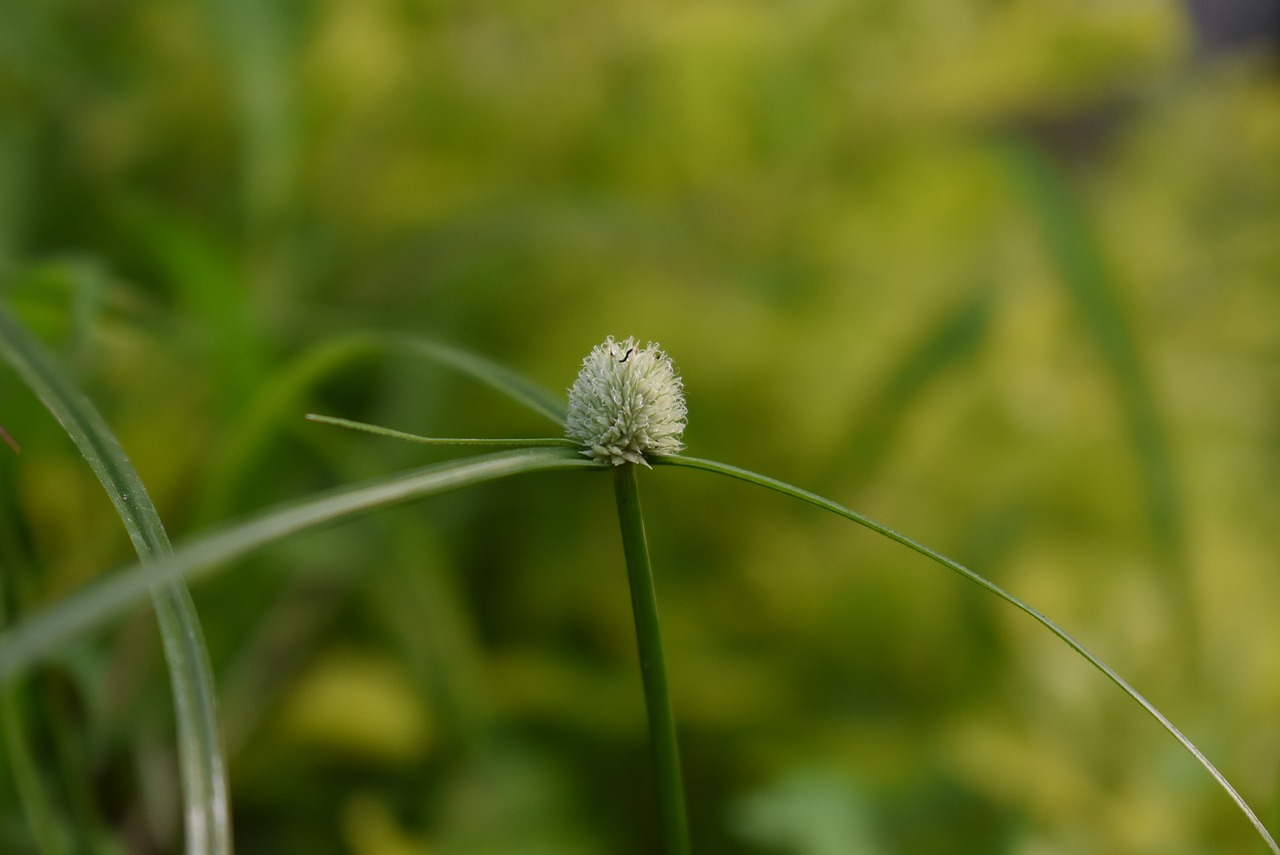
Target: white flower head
{"x":627,"y":402}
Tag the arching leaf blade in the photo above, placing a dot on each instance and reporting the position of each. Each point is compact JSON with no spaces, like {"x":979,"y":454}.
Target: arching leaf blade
{"x":937,"y":557}
{"x":200,"y":751}
{"x":42,"y":634}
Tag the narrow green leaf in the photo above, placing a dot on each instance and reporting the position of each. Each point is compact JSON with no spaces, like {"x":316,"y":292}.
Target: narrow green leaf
{"x":206,"y":281}
{"x":1091,"y":285}
{"x":515,"y":386}
{"x":956,"y":336}
{"x":274,"y":405}
{"x":258,"y":44}
{"x":42,"y":634}
{"x":208,"y":826}
{"x":833,"y":507}
{"x":277,"y":403}
{"x":528,"y":442}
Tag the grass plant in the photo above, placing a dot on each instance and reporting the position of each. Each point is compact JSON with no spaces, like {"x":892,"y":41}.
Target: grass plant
{"x":631,"y":387}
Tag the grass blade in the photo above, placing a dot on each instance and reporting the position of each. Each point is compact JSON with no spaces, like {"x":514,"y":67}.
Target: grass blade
{"x":275,"y":404}
{"x":1063,"y":635}
{"x":42,"y":634}
{"x":527,"y":442}
{"x":515,"y":386}
{"x":957,"y":336}
{"x":280,"y":399}
{"x":203,"y":766}
{"x":1090,"y":283}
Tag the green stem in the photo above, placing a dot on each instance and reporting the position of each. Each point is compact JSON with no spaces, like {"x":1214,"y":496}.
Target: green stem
{"x":653,"y":670}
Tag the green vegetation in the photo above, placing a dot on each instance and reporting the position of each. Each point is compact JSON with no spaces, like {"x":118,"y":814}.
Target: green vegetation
{"x":1004,"y":275}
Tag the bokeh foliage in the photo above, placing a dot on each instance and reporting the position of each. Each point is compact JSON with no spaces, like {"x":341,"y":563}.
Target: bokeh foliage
{"x":1004,"y":275}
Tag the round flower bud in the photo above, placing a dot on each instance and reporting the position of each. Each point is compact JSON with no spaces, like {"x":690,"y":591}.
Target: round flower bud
{"x":627,"y":402}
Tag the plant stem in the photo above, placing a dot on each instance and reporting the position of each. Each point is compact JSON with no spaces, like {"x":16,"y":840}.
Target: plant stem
{"x":653,"y":669}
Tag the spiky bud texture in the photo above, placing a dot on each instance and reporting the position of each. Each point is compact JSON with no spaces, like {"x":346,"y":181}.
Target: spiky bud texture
{"x":627,"y":402}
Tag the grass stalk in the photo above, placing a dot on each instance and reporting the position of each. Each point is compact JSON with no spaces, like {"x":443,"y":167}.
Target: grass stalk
{"x":202,"y":763}
{"x":653,"y":669}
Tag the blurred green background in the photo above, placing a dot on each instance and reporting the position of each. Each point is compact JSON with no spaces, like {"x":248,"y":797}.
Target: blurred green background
{"x":1003,"y":275}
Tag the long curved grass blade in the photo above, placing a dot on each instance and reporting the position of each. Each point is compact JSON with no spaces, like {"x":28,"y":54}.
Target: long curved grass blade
{"x":42,"y":634}
{"x":957,"y":336}
{"x":1063,"y":635}
{"x":515,"y":386}
{"x":278,"y":401}
{"x":527,"y":442}
{"x":203,"y":766}
{"x":1090,"y":283}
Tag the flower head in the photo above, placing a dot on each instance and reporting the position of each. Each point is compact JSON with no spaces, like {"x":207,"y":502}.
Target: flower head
{"x":627,"y":402}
